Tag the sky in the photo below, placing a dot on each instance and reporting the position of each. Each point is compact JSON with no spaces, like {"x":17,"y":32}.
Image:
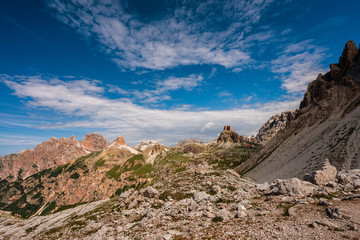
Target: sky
{"x":163,"y":70}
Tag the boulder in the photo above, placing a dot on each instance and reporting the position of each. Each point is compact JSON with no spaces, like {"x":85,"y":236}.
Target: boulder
{"x":149,"y":192}
{"x":201,"y":197}
{"x":292,"y":187}
{"x":325,"y":175}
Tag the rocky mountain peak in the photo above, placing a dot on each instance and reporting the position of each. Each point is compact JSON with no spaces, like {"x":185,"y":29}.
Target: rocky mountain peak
{"x":349,"y":55}
{"x":227,"y":128}
{"x":344,"y":76}
{"x":49,"y":154}
{"x":325,"y":126}
{"x":93,"y":142}
{"x":120,"y":140}
{"x":228,"y":135}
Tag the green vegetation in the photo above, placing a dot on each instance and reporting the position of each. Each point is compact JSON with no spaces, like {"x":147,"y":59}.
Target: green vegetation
{"x":148,"y":168}
{"x":175,"y":195}
{"x":79,"y":163}
{"x":50,"y":206}
{"x":64,"y":207}
{"x":99,"y":163}
{"x":114,"y":172}
{"x":59,"y":170}
{"x":40,"y":174}
{"x":181,"y":169}
{"x":318,"y":196}
{"x":217,"y":219}
{"x":134,"y":164}
{"x":27,"y":210}
{"x":123,"y":189}
{"x":75,"y":175}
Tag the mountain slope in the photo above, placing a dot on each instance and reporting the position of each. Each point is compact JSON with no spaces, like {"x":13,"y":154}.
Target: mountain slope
{"x":103,"y":174}
{"x":48,"y":154}
{"x":326,"y":126}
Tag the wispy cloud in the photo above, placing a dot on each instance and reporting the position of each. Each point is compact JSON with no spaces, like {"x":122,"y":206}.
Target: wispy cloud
{"x":224,"y":94}
{"x":164,"y":87}
{"x":196,"y":32}
{"x":84,"y":99}
{"x":298,"y":64}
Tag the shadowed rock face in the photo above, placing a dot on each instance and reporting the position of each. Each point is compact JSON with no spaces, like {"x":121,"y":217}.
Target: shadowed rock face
{"x":228,"y":135}
{"x":325,"y":126}
{"x":48,"y":154}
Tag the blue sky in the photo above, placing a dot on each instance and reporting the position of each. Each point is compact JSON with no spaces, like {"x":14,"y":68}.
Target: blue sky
{"x":163,"y":70}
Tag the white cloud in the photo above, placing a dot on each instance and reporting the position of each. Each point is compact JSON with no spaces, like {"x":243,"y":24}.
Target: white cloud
{"x":298,"y":65}
{"x":224,"y":94}
{"x":197,"y":32}
{"x":162,"y":89}
{"x":207,"y":125}
{"x":115,"y":117}
{"x":116,"y":89}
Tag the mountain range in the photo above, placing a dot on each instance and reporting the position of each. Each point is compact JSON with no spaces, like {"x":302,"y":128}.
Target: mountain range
{"x":298,"y":177}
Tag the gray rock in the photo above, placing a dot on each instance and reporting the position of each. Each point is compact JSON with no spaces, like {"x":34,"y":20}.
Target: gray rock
{"x":133,"y":204}
{"x":356,"y":183}
{"x":201,"y":197}
{"x":209,"y":215}
{"x":225,"y":214}
{"x":263,"y":187}
{"x":326,"y":223}
{"x":126,"y":194}
{"x":292,"y":187}
{"x":325,"y":175}
{"x":333,"y":212}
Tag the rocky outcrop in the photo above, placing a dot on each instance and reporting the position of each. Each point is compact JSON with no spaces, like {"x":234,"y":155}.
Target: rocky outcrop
{"x":228,"y":135}
{"x":145,"y":144}
{"x":273,"y":126}
{"x":193,"y":148}
{"x":48,"y":154}
{"x":292,"y":187}
{"x":94,"y":142}
{"x":323,"y":176}
{"x":325,"y":126}
{"x":120,"y":140}
{"x":151,"y":154}
{"x":190,"y":140}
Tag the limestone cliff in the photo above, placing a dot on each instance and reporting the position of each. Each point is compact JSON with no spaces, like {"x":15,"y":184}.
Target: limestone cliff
{"x":325,"y":126}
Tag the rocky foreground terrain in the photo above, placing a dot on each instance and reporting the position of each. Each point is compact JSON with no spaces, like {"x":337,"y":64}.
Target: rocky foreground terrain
{"x":204,"y":202}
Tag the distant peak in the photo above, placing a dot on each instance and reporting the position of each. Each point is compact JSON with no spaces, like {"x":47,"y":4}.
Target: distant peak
{"x":120,"y":140}
{"x":228,"y":128}
{"x":228,"y":135}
